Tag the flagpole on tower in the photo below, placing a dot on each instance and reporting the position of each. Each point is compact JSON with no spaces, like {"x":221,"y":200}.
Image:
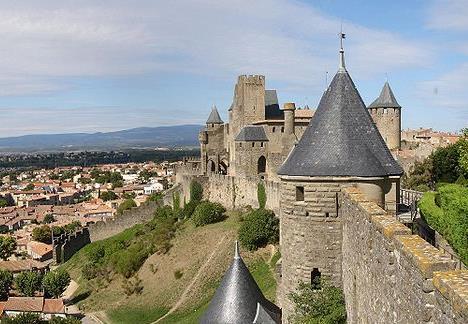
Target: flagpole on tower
{"x":342,"y":67}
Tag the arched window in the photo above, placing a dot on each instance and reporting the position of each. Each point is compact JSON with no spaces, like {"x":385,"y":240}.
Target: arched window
{"x":211,"y":166}
{"x":315,"y":279}
{"x":261,"y":165}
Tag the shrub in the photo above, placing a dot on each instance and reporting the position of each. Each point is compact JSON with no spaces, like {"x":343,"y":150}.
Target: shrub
{"x":188,"y":210}
{"x":196,"y":191}
{"x":61,"y":320}
{"x":446,"y":211}
{"x":128,"y":261}
{"x":176,"y":201}
{"x":178,"y":274}
{"x":125,"y":205}
{"x":207,"y":213}
{"x":49,"y":218}
{"x":132,"y":286}
{"x":324,"y":306}
{"x":261,"y":195}
{"x":259,"y":228}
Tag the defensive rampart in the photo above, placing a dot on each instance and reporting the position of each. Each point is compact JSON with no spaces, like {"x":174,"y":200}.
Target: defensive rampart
{"x":136,"y":215}
{"x":231,"y":192}
{"x":68,"y":244}
{"x":391,"y":276}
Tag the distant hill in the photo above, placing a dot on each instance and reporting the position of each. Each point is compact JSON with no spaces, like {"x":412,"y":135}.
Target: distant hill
{"x":142,"y":137}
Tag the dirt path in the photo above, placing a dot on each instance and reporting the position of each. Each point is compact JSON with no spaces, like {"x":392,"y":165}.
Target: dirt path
{"x":192,"y":283}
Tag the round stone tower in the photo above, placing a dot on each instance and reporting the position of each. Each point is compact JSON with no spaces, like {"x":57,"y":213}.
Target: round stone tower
{"x":386,"y":113}
{"x":340,"y":147}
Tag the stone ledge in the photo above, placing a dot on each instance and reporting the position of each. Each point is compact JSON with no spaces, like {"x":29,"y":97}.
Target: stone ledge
{"x":389,"y":226}
{"x":426,"y":257}
{"x":453,"y":285}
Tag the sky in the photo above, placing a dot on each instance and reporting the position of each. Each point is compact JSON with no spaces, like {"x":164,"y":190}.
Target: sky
{"x":97,"y":66}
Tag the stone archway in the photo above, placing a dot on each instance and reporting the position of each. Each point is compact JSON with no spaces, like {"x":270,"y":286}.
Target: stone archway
{"x":261,"y":165}
{"x":211,"y":166}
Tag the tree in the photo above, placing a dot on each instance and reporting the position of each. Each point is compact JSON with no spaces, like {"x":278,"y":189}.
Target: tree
{"x":126,"y":204}
{"x":261,"y":195}
{"x":196,"y":191}
{"x":6,"y":279}
{"x":108,"y":195}
{"x":318,"y":306}
{"x":260,"y":227}
{"x":48,"y":218}
{"x":7,"y":246}
{"x":42,"y":234}
{"x":67,"y":320}
{"x":3,"y":202}
{"x":55,"y":282}
{"x":72,"y":227}
{"x":22,"y":318}
{"x":28,"y":282}
{"x":29,"y":187}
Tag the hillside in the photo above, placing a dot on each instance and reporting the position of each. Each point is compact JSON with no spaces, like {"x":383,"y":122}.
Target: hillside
{"x":165,"y":136}
{"x":201,"y":255}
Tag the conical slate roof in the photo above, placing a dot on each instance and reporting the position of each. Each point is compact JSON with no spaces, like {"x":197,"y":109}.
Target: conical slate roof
{"x":386,"y":99}
{"x":341,"y":139}
{"x":236,"y":298}
{"x":214,"y":117}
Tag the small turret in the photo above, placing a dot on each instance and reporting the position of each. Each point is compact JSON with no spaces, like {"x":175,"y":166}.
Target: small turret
{"x":214,"y":117}
{"x":239,"y":300}
{"x":386,"y":114}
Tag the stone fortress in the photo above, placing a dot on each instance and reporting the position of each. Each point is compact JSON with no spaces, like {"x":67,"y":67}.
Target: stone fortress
{"x":331,"y":178}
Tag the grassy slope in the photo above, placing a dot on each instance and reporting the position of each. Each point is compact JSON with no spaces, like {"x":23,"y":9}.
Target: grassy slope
{"x":191,"y":248}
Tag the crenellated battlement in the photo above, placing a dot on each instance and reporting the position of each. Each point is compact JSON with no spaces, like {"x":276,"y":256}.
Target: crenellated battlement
{"x":392,"y":276}
{"x":251,"y":79}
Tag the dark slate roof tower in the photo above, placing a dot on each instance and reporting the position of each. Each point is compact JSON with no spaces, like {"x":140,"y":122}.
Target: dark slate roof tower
{"x":214,"y":117}
{"x":386,"y":99}
{"x":341,"y":147}
{"x":239,"y":300}
{"x":341,"y":139}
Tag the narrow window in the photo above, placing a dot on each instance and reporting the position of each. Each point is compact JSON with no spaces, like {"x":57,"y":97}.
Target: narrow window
{"x":282,"y":129}
{"x":240,"y":144}
{"x":253,"y":144}
{"x":327,"y":214}
{"x":299,"y":193}
{"x":261,"y":144}
{"x":315,"y":279}
{"x":273,"y":130}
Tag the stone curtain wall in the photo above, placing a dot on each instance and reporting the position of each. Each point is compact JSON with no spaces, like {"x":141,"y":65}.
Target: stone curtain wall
{"x":391,"y":276}
{"x":231,"y":192}
{"x":68,"y":244}
{"x":238,"y":192}
{"x":102,"y":230}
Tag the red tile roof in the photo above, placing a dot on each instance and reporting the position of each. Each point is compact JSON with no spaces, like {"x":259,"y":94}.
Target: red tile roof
{"x":53,"y":306}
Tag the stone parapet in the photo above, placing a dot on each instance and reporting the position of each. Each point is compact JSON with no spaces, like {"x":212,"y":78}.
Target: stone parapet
{"x":391,"y":276}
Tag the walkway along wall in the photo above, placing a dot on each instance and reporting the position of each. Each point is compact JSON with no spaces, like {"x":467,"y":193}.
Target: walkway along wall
{"x":391,"y":276}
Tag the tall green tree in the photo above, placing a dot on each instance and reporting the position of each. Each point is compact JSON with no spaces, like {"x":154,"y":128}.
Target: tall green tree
{"x":42,"y":234}
{"x":55,"y":282}
{"x":28,"y":282}
{"x":7,"y":246}
{"x":6,"y":279}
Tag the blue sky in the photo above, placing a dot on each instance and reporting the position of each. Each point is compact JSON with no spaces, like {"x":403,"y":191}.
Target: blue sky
{"x":87,"y":66}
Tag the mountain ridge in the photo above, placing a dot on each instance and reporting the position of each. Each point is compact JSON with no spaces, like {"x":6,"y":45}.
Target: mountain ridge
{"x":139,"y":137}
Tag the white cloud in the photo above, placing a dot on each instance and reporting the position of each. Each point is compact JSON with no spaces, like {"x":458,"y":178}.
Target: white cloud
{"x":43,"y":41}
{"x":448,"y":15}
